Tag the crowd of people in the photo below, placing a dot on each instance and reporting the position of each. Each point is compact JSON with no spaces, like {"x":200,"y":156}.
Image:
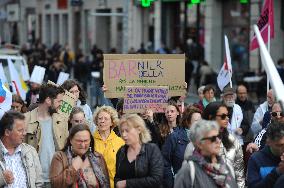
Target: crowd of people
{"x":215,"y":142}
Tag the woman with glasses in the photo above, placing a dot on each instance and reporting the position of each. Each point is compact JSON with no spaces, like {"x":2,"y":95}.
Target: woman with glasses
{"x":106,"y":141}
{"x":231,"y":149}
{"x":76,"y":165}
{"x":276,"y":114}
{"x":205,"y":168}
{"x":76,"y":117}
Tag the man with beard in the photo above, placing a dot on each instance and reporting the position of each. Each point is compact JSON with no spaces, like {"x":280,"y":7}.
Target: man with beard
{"x":235,"y":113}
{"x":46,"y":129}
{"x":248,"y":110}
{"x":266,"y":167}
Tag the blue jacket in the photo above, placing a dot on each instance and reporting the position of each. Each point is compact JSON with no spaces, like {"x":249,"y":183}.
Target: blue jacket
{"x":262,"y":169}
{"x":173,"y":153}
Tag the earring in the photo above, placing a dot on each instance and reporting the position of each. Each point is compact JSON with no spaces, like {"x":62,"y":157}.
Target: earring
{"x":90,"y":149}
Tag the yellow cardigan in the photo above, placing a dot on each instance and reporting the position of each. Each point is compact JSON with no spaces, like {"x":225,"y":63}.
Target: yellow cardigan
{"x":108,"y":149}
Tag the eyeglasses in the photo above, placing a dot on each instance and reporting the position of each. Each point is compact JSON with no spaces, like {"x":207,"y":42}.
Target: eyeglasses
{"x":275,"y":114}
{"x":212,"y":138}
{"x":78,"y":121}
{"x":223,"y":116}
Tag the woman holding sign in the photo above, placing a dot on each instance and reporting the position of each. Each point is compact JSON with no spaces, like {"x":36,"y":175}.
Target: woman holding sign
{"x":74,"y":87}
{"x":175,"y":145}
{"x":171,"y":120}
{"x":106,"y":141}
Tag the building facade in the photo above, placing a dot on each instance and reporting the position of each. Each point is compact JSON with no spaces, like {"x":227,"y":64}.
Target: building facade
{"x":123,"y":24}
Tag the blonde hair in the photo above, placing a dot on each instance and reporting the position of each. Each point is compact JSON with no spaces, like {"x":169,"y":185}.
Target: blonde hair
{"x":111,"y":111}
{"x":135,"y":121}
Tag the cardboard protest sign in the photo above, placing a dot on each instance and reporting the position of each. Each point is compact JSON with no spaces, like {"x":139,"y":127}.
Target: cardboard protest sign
{"x":122,"y":70}
{"x":38,"y":74}
{"x":138,"y":99}
{"x":68,"y":102}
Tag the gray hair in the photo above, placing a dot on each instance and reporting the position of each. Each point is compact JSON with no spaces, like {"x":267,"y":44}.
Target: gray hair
{"x":200,"y":89}
{"x":200,"y":128}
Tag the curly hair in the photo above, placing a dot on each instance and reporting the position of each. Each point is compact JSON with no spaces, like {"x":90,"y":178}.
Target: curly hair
{"x":111,"y":111}
{"x":135,"y":121}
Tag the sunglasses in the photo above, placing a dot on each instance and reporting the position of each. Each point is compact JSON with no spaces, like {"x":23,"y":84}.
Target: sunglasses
{"x":223,"y":116}
{"x":212,"y":138}
{"x":275,"y":114}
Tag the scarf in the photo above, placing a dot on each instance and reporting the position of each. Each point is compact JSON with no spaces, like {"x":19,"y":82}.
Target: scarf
{"x":96,"y":166}
{"x":205,"y":102}
{"x":217,"y":171}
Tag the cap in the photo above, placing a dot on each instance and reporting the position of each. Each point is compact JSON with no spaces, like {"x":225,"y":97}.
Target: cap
{"x":228,"y":91}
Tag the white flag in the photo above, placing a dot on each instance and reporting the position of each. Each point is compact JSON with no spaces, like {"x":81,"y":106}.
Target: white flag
{"x":269,"y":66}
{"x":225,"y":74}
{"x":19,"y":86}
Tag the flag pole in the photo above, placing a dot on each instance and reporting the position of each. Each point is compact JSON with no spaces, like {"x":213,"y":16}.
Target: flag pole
{"x":268,"y":48}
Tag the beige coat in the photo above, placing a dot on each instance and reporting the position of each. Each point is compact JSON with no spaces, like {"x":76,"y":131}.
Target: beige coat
{"x":31,"y":164}
{"x":59,"y":125}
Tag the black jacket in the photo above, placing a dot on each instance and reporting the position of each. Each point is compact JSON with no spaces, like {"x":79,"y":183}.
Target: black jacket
{"x":248,"y":112}
{"x":155,"y":132}
{"x":148,"y":167}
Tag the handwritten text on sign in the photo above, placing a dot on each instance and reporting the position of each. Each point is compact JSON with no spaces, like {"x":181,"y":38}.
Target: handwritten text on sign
{"x":122,"y":70}
{"x":137,"y":99}
{"x":68,"y":102}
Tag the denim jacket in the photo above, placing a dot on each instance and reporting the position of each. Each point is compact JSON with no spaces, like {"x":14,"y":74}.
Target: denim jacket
{"x":173,"y":153}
